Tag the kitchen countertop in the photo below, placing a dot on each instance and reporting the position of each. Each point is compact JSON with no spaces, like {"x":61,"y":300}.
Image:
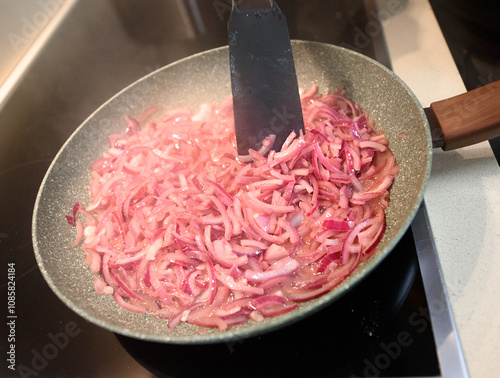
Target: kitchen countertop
{"x":463,"y":196}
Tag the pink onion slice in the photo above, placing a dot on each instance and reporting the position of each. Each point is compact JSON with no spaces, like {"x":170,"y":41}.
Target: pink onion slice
{"x":182,"y":227}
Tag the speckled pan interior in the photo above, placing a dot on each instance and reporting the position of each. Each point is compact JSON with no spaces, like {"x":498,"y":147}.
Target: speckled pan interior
{"x":205,"y":78}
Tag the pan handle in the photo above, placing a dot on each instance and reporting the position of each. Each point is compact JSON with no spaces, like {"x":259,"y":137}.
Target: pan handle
{"x":468,"y":118}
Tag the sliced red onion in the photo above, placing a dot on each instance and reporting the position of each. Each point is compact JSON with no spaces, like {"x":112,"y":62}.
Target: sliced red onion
{"x":127,"y":305}
{"x":284,"y":269}
{"x":276,"y":252}
{"x":336,"y":225}
{"x":100,"y":287}
{"x":181,"y":227}
{"x":223,"y":254}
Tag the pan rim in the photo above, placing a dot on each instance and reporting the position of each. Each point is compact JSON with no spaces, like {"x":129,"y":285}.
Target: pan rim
{"x":228,"y":335}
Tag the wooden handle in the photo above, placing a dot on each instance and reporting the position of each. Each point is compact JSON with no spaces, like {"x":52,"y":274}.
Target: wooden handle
{"x":469,"y":118}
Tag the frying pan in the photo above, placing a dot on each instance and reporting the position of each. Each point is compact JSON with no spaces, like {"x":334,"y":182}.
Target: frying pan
{"x":205,"y":78}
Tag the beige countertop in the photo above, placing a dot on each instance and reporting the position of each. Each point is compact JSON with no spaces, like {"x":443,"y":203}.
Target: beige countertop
{"x":463,"y":196}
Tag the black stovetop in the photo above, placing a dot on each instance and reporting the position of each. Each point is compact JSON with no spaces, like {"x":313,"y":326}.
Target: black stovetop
{"x":380,"y":328}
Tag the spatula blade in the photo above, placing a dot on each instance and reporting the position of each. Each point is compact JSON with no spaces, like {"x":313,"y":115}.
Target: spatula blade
{"x":264,"y":85}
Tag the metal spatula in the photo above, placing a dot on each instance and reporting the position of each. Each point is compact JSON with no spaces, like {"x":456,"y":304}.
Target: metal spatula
{"x":264,"y":84}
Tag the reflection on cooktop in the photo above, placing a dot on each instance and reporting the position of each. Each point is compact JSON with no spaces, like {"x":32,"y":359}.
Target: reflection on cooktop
{"x":374,"y":330}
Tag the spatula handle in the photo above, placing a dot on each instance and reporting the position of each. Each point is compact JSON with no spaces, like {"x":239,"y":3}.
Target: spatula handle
{"x":469,"y":118}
